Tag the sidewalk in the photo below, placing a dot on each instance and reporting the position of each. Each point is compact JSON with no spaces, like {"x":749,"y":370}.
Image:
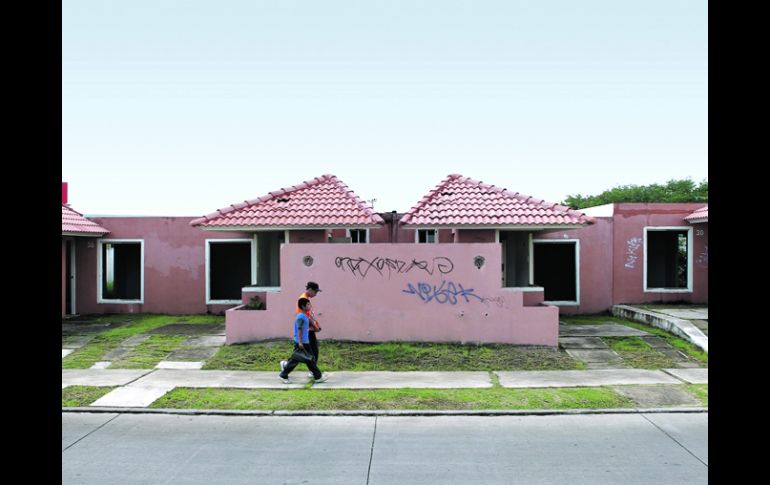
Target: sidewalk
{"x":140,"y":388}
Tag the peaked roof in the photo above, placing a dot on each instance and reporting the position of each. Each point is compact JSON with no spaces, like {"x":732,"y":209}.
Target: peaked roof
{"x":322,"y":202}
{"x":73,"y":223}
{"x":700,"y":215}
{"x":462,"y":201}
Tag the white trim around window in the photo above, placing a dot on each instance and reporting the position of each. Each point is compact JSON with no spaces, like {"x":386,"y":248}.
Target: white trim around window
{"x":99,"y":299}
{"x":253,"y":242}
{"x":417,"y":235}
{"x":577,"y":269}
{"x":347,"y":233}
{"x":687,"y":229}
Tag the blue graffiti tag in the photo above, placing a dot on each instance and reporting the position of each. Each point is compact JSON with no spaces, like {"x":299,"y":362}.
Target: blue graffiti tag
{"x":447,"y":292}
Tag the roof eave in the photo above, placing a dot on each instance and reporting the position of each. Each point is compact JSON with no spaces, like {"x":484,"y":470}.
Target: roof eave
{"x":495,"y":226}
{"x":85,"y":234}
{"x":290,"y":228}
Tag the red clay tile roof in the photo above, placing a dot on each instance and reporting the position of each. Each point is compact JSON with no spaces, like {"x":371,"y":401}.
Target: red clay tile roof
{"x":74,"y":223}
{"x":700,"y":215}
{"x":461,"y":201}
{"x":322,"y":202}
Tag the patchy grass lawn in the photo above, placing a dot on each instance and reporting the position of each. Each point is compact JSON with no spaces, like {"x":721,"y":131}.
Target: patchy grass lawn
{"x":701,"y":391}
{"x":639,"y":354}
{"x":101,"y":344}
{"x":691,"y":350}
{"x":396,"y":356}
{"x":147,"y":354}
{"x":416,"y":399}
{"x":81,"y":396}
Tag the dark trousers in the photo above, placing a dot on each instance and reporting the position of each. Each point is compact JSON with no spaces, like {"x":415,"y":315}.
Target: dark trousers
{"x":313,"y":345}
{"x":291,"y":364}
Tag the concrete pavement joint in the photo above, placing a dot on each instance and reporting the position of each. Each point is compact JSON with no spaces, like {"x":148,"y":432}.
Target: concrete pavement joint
{"x":371,"y":453}
{"x":675,"y":440}
{"x":90,"y":433}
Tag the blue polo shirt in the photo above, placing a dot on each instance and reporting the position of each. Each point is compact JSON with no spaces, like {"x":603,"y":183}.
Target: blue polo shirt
{"x":301,"y":324}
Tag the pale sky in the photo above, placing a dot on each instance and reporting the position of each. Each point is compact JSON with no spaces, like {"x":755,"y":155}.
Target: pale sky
{"x":179,"y":108}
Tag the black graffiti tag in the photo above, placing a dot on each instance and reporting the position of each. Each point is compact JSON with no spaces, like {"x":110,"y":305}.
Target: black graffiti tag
{"x":362,"y":266}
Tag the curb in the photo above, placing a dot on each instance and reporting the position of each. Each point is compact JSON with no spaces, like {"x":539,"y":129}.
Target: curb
{"x":491,"y":412}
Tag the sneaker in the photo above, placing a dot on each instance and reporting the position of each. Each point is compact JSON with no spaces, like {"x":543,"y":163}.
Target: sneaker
{"x":283,"y":365}
{"x":310,"y":374}
{"x":285,"y":380}
{"x":323,"y":378}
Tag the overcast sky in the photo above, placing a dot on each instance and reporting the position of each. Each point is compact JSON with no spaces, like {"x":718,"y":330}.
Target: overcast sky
{"x":176,"y":107}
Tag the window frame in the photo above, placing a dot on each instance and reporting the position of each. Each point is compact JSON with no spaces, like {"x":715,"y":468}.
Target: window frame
{"x":99,"y":273}
{"x":252,"y":255}
{"x":687,"y":229}
{"x":417,"y":235}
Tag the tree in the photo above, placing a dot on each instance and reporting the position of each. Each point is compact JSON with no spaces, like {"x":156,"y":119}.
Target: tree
{"x":684,"y":190}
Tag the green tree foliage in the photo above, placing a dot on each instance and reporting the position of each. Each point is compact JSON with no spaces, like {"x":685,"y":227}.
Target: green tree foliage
{"x":684,"y":190}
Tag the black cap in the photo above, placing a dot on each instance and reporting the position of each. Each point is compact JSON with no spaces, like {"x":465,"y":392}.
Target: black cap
{"x":312,"y":285}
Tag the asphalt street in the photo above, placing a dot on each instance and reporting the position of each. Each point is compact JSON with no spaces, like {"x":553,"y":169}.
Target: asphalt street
{"x":100,"y":448}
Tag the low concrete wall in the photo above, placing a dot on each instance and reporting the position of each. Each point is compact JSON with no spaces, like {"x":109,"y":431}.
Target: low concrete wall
{"x":677,"y":326}
{"x":399,"y":292}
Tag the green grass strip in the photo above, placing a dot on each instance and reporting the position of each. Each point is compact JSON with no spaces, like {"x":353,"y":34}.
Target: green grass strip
{"x":147,"y":354}
{"x":701,"y":391}
{"x":383,"y":399}
{"x":396,"y":356}
{"x":639,"y":354}
{"x":80,"y":396}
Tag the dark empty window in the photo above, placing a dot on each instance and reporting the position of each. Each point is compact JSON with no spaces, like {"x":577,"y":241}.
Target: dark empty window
{"x":667,"y":259}
{"x":358,"y":235}
{"x":121,"y":271}
{"x":556,"y":270}
{"x":426,"y":235}
{"x":229,"y":269}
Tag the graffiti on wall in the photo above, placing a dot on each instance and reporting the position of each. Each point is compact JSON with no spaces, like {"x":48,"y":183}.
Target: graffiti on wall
{"x":632,"y":246}
{"x":362,"y":266}
{"x":703,"y":258}
{"x":447,"y":292}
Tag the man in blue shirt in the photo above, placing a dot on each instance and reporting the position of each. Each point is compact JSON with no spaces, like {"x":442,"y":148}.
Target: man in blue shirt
{"x":301,"y":341}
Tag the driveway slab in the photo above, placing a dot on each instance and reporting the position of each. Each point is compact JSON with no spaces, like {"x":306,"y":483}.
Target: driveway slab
{"x":658,"y":396}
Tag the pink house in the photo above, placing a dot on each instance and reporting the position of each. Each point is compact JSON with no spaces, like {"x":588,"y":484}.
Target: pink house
{"x":468,"y":262}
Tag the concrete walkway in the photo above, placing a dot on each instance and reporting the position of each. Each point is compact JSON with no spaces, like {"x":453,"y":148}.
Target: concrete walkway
{"x":140,"y":388}
{"x":685,"y":323}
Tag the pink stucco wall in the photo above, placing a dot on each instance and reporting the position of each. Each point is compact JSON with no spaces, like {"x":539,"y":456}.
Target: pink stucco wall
{"x":174,"y":265}
{"x":476,"y":235}
{"x":367,"y":299}
{"x":628,"y":237}
{"x":309,"y":236}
